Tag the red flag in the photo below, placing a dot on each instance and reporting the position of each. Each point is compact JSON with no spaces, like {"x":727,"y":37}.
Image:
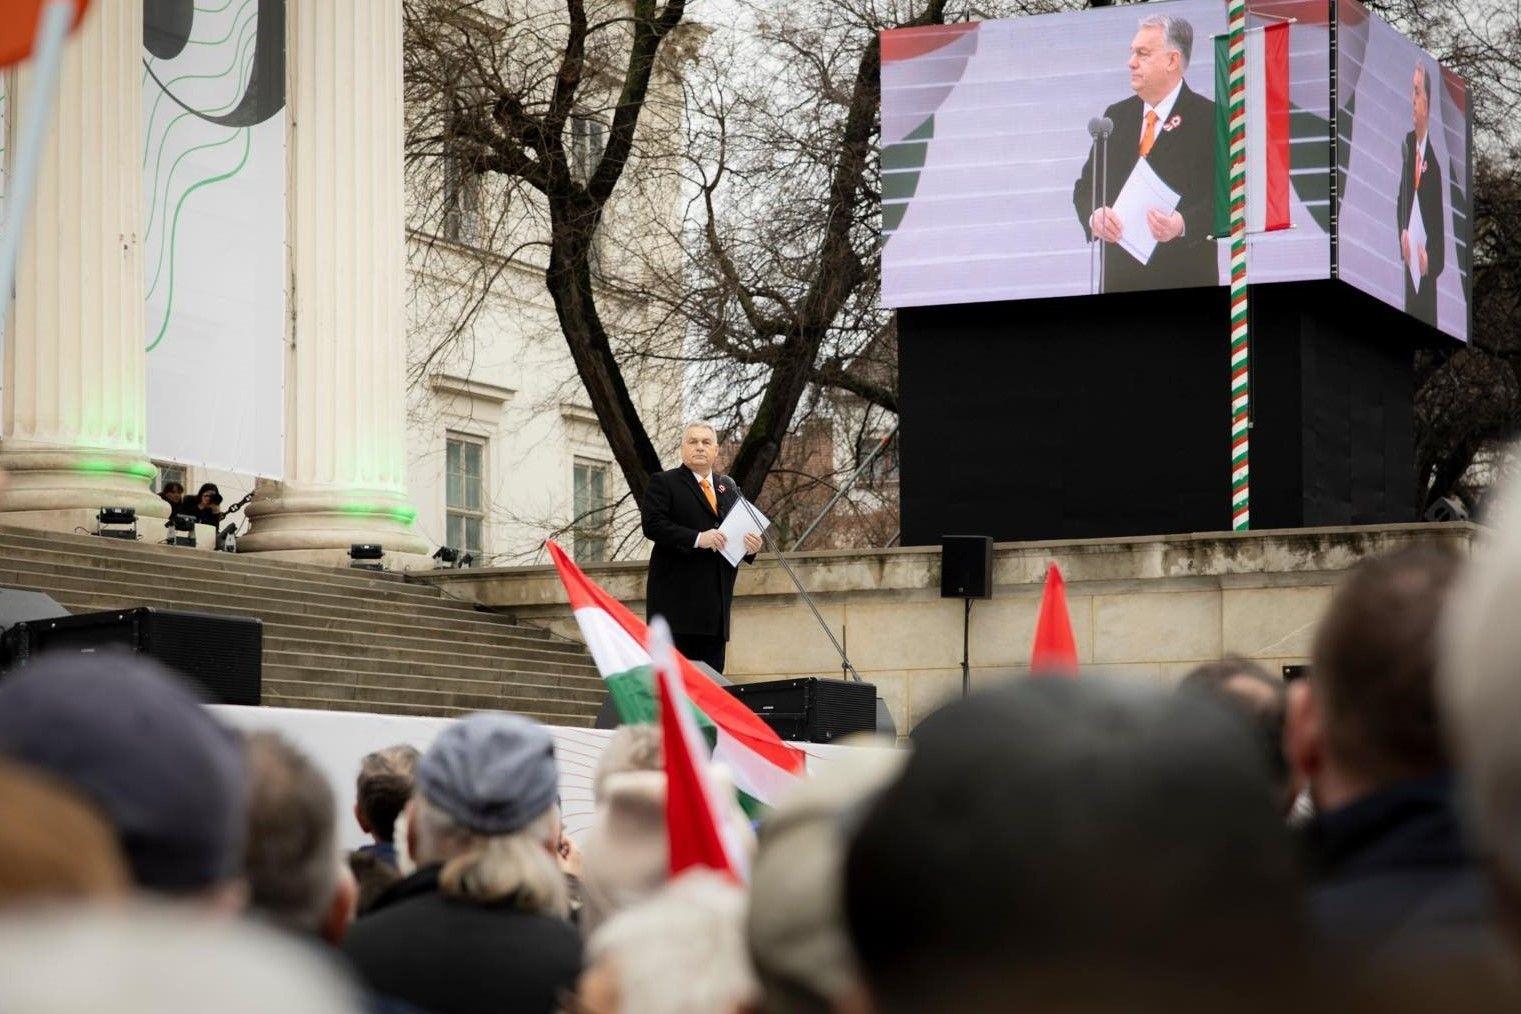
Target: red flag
{"x":18,"y":27}
{"x":1055,"y":650}
{"x":695,"y":832}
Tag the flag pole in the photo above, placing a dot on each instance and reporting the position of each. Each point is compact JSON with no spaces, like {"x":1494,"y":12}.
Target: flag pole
{"x":47,"y":62}
{"x":1241,"y":409}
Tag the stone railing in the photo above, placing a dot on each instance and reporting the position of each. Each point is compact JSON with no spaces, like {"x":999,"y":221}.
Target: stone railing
{"x":1147,"y":607}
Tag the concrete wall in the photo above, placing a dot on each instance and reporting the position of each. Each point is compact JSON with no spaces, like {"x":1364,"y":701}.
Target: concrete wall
{"x":1147,"y":607}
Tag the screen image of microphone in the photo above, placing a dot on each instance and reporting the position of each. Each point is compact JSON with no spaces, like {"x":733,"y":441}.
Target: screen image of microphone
{"x":1099,"y":128}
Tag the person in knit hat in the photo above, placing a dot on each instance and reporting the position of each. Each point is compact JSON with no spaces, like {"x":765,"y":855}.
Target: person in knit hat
{"x":481,"y":925}
{"x":130,"y":738}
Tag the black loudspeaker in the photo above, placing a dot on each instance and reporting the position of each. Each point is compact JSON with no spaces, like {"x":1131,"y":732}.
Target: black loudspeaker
{"x":811,"y":709}
{"x":18,"y":606}
{"x":220,"y":656}
{"x":966,"y":566}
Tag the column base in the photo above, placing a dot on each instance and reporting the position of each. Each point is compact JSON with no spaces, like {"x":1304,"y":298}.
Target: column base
{"x":60,"y":488}
{"x":319,"y":526}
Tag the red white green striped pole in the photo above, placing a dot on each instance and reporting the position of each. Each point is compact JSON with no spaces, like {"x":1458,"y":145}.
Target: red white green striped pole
{"x":1241,"y":410}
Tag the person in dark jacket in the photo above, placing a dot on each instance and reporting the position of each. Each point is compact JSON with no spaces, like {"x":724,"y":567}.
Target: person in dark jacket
{"x":690,"y":583}
{"x":1391,"y":872}
{"x":481,"y":926}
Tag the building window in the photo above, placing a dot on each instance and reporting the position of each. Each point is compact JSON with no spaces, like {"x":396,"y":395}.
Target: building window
{"x":464,"y":492}
{"x":883,"y":469}
{"x":588,"y":136}
{"x":462,"y":203}
{"x":168,"y":473}
{"x":592,"y":512}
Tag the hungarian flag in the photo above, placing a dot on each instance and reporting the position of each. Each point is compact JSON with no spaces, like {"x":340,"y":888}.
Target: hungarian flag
{"x":764,"y":767}
{"x":1055,"y":649}
{"x":1267,"y":130}
{"x":696,"y":833}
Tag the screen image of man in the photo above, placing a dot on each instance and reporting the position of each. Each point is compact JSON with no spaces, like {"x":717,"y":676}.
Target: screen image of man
{"x":690,"y":583}
{"x":1172,"y":127}
{"x":1419,"y":207}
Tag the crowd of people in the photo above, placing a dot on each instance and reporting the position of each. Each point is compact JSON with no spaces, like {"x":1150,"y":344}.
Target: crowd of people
{"x":1350,"y":840}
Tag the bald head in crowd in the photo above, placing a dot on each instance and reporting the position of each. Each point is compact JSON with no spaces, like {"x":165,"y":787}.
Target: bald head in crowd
{"x":1099,"y":843}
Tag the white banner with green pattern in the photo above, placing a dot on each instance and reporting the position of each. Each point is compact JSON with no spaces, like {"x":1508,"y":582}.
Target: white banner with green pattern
{"x":213,"y":152}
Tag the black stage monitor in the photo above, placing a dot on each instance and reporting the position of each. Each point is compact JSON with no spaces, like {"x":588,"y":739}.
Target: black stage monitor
{"x":221,"y":656}
{"x":966,"y":566}
{"x":811,"y":709}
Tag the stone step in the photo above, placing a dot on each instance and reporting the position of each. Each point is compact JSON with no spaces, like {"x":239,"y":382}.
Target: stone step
{"x":314,"y":657}
{"x":333,"y":639}
{"x":193,"y":592}
{"x":116,"y":595}
{"x":484,"y":697}
{"x":235,"y":563}
{"x":385,"y":707}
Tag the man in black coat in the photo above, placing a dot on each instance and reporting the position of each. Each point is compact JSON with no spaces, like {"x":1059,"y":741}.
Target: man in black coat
{"x":1420,"y":186}
{"x":690,"y":583}
{"x":1391,"y":873}
{"x":1173,"y":127}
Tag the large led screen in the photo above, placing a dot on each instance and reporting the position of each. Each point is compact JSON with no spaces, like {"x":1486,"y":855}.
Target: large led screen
{"x":1006,"y":144}
{"x":1403,"y":231}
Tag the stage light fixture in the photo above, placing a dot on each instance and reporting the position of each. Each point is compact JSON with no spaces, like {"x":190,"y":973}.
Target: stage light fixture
{"x":447,"y":555}
{"x":466,"y":560}
{"x":116,"y":523}
{"x":366,"y":556}
{"x":184,"y":530}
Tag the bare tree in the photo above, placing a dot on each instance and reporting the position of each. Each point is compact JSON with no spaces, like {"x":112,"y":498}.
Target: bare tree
{"x":770,"y":301}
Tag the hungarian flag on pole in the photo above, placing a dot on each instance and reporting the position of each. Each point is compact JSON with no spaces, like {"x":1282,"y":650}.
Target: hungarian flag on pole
{"x":764,"y":767}
{"x":1267,"y":130}
{"x":696,"y":833}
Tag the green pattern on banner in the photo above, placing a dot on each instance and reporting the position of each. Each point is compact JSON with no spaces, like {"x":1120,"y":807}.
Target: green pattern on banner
{"x":1222,"y":224}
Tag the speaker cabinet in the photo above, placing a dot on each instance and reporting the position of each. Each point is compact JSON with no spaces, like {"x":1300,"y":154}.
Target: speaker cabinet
{"x":966,"y":567}
{"x":220,"y":656}
{"x":811,"y":709}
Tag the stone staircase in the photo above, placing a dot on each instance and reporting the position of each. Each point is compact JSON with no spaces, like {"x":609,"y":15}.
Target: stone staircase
{"x":333,"y":639}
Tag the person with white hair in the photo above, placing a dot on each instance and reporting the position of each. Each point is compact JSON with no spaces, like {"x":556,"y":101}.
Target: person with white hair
{"x":682,"y":951}
{"x":481,"y":925}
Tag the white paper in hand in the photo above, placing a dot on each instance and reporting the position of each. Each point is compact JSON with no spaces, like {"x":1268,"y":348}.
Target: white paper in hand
{"x":1417,"y":233}
{"x":1142,"y":192}
{"x":743,"y":518}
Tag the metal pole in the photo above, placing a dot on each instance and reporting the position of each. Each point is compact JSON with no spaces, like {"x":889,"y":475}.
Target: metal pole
{"x":966,"y":650}
{"x":845,"y":665}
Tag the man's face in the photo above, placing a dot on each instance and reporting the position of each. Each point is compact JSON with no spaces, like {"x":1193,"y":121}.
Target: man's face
{"x":1421,"y":107}
{"x":1154,"y":69}
{"x":699,"y":449}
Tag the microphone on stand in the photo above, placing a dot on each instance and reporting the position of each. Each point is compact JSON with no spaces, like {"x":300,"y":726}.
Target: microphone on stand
{"x":1099,"y":128}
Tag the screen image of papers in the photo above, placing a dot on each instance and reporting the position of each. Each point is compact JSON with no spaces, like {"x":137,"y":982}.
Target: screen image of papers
{"x":1143,"y":191}
{"x":743,"y":518}
{"x":1417,"y":232}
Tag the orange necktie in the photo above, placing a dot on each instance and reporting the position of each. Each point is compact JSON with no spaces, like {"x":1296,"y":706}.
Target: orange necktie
{"x":1149,"y":135}
{"x":707,"y":491}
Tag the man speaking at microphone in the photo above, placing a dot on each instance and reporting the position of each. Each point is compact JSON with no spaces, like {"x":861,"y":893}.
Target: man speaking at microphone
{"x":1172,"y":127}
{"x":690,"y":583}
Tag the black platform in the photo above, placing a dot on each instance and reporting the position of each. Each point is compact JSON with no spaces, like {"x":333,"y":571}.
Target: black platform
{"x":1099,"y":417}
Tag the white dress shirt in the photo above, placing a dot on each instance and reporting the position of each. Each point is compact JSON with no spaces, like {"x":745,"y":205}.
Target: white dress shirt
{"x":700,"y":480}
{"x":1163,"y":110}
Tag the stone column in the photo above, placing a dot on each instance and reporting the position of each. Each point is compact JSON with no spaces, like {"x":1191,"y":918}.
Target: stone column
{"x":345,"y":454}
{"x":73,"y":430}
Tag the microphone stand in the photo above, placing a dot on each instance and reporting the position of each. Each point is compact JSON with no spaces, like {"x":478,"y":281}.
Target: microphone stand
{"x":847,"y":671}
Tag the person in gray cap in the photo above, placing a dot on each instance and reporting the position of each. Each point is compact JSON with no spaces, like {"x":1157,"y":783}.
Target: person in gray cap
{"x":481,"y":925}
{"x":130,"y":737}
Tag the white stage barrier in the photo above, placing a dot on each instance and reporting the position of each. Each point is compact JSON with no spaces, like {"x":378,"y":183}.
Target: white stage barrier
{"x":336,"y":740}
